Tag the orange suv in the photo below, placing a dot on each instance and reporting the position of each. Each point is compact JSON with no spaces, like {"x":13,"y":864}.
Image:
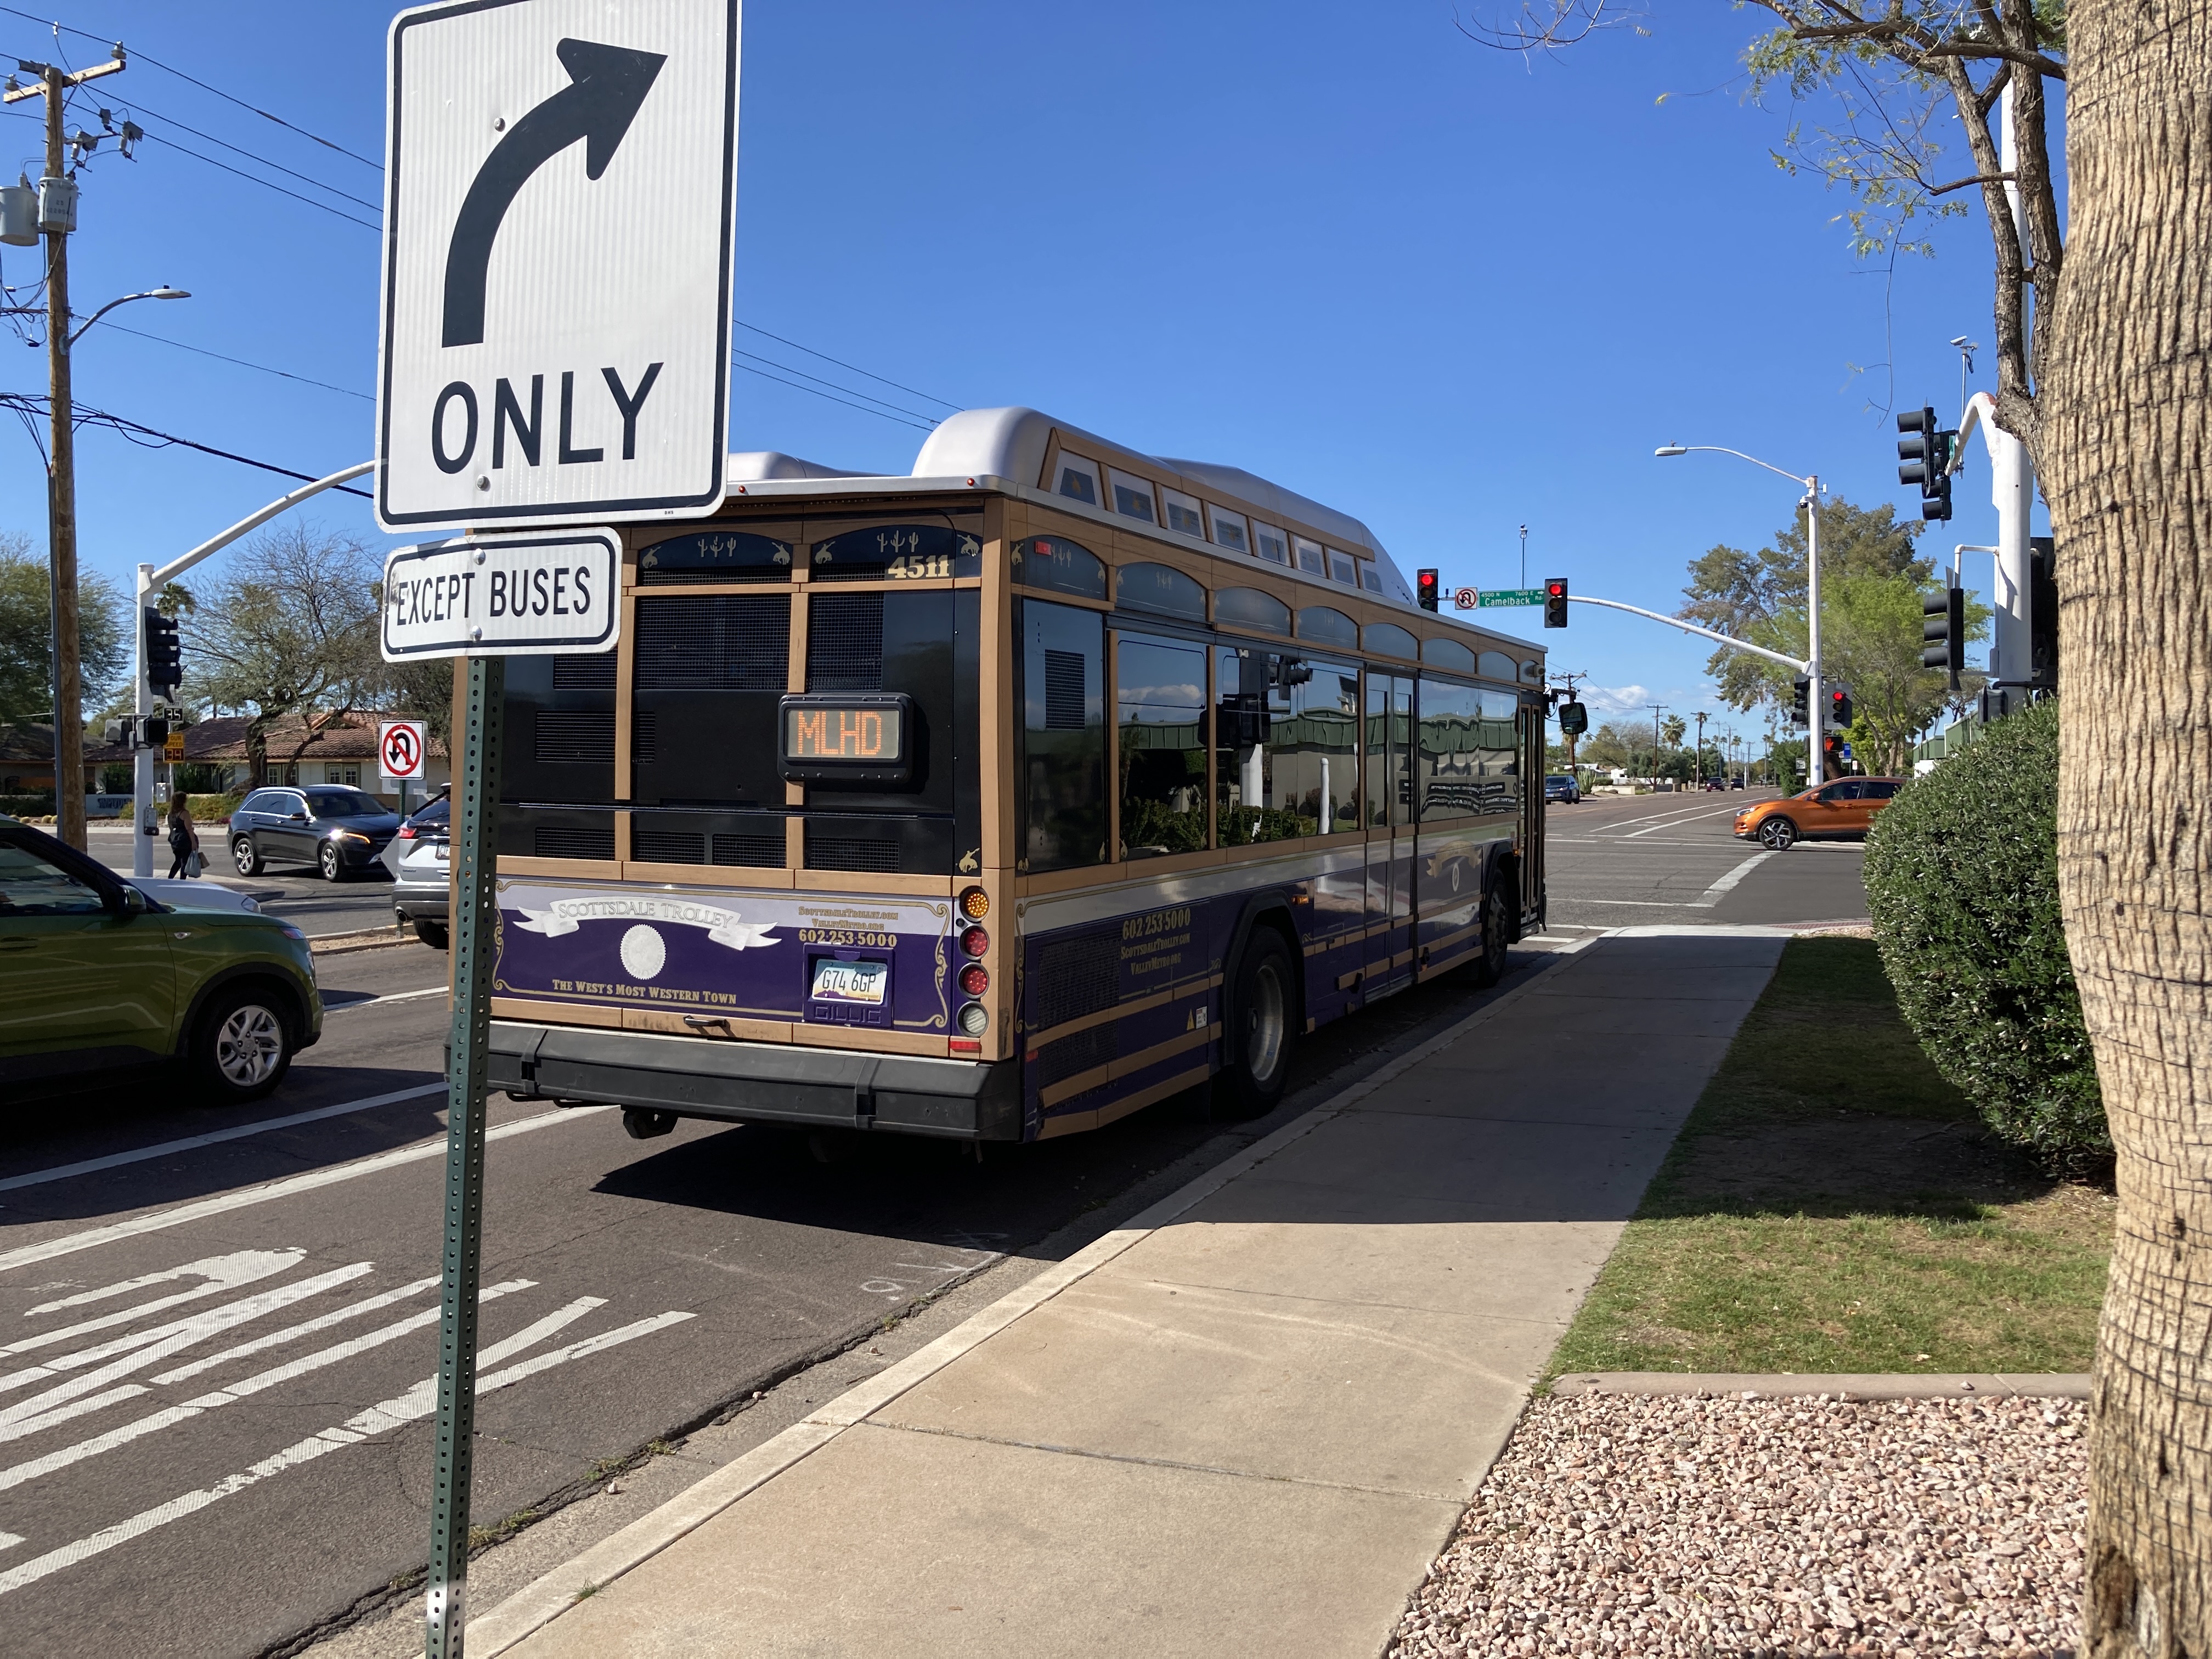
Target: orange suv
{"x":1845,"y":807}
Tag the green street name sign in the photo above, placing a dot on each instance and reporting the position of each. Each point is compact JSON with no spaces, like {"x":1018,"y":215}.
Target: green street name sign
{"x":1510,"y":596}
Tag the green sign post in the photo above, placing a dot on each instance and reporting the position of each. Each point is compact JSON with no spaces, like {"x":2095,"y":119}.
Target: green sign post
{"x":1491,"y":596}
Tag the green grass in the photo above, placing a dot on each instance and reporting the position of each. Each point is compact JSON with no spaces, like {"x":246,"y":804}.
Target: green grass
{"x":1832,"y":1205}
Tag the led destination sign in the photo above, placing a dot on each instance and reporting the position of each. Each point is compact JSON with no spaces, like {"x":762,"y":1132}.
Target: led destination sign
{"x":862,"y":737}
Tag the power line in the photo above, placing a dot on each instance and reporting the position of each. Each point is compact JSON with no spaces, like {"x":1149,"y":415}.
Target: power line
{"x":263,"y":183}
{"x":146,"y":57}
{"x":863,"y":408}
{"x":841,"y":363}
{"x":374,"y":207}
{"x":147,"y":437}
{"x":241,"y":362}
{"x":834,"y":386}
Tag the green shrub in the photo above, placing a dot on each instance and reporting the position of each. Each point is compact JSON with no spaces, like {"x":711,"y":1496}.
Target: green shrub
{"x":1962,"y":880}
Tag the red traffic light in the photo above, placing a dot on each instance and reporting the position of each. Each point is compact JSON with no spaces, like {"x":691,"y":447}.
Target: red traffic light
{"x":1424,"y":589}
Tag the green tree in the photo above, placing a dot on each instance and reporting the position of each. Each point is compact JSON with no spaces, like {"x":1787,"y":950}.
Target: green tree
{"x":26,"y":632}
{"x":289,"y":627}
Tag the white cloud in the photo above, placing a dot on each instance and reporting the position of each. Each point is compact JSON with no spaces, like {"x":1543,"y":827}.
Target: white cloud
{"x":1617,"y":699}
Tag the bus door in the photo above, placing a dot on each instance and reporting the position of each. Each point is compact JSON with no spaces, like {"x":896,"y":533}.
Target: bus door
{"x":1389,"y":809}
{"x":1532,"y":809}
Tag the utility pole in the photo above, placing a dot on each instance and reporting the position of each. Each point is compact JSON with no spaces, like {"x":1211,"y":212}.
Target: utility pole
{"x":1657,"y":708}
{"x":1697,"y":754}
{"x":57,"y":218}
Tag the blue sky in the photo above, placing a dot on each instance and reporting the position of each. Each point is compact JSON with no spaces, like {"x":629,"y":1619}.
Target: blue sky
{"x":1438,"y":286}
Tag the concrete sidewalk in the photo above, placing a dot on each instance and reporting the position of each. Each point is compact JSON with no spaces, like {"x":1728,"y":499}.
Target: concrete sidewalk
{"x":1244,"y":1422}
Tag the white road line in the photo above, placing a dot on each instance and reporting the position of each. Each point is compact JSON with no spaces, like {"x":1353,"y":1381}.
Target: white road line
{"x":222,"y":1273}
{"x":9,"y":1540}
{"x":305,"y":1327}
{"x":1660,"y":819}
{"x":1704,"y":901}
{"x":1678,"y":821}
{"x":393,"y":996}
{"x":260,"y":1381}
{"x":1712,"y":893}
{"x":155,"y":1221}
{"x":28,"y":1416}
{"x":116,"y":1160}
{"x":416,"y":1403}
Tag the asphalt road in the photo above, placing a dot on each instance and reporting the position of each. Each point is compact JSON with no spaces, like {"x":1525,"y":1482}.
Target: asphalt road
{"x":217,"y":1327}
{"x":1630,"y":860}
{"x":317,"y":908}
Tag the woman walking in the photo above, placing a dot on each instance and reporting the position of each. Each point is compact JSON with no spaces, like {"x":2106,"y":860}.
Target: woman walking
{"x":184,"y":840}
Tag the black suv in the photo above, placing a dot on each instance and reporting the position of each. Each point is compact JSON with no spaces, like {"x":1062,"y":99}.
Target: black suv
{"x":338,"y":830}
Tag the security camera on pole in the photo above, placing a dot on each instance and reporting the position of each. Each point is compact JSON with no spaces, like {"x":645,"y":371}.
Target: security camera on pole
{"x":533,"y":371}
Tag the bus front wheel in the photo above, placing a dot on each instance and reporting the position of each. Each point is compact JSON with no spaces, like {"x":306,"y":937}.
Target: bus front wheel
{"x":1256,"y":1029}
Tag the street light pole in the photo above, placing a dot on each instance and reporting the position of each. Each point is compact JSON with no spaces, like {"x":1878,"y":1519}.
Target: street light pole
{"x":1656,"y":709}
{"x":1816,"y":726}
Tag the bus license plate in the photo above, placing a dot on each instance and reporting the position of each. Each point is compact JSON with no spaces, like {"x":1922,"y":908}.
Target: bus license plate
{"x":851,"y":981}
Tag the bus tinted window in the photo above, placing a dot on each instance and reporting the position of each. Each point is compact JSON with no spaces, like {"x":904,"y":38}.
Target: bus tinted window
{"x":1328,"y":626}
{"x":708,"y":669}
{"x":1287,"y":760}
{"x":898,"y":552}
{"x":1055,"y":563}
{"x":715,"y":555}
{"x":1160,"y":687}
{"x":1157,"y":588}
{"x":1467,"y":761}
{"x":1063,"y":760}
{"x":1448,"y":653}
{"x":1250,"y":607}
{"x":1390,"y":639}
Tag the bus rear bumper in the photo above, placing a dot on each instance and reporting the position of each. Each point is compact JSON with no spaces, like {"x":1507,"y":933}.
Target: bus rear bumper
{"x":757,"y":1082}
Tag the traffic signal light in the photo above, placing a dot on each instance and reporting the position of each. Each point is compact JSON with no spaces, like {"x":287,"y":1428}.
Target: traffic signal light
{"x":1555,"y":602}
{"x":1424,"y":589}
{"x":1925,"y":459}
{"x":1839,"y":708}
{"x":2043,"y":612}
{"x":1800,"y":696}
{"x":165,"y":654}
{"x":1943,"y":627}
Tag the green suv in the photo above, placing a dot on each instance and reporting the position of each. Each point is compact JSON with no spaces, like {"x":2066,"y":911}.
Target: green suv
{"x":95,"y":976}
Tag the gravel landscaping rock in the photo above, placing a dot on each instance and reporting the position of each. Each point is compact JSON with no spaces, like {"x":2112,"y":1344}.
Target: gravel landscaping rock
{"x":1639,"y":1526}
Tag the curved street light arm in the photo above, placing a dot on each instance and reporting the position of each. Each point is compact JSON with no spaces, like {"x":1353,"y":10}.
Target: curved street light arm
{"x":150,"y":294}
{"x":1691,"y":627}
{"x":1802,"y":480}
{"x":281,"y":504}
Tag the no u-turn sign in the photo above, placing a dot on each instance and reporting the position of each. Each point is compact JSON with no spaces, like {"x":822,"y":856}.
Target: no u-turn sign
{"x":560,"y":187}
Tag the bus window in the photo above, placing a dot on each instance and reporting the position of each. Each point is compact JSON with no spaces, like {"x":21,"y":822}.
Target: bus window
{"x":1389,"y":751}
{"x":1155,"y":587}
{"x":1468,"y":760}
{"x":1281,"y":726}
{"x":1063,"y":737}
{"x":1058,"y":566}
{"x":1313,"y":748}
{"x":709,"y":669}
{"x":1160,"y":688}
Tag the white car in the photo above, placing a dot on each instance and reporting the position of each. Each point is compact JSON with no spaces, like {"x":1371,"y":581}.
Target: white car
{"x":195,"y":894}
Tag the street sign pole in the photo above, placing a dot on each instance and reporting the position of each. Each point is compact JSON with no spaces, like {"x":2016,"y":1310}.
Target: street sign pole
{"x":476,"y":850}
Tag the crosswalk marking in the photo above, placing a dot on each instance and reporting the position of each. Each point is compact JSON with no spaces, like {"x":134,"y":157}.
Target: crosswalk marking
{"x":415,"y":1404}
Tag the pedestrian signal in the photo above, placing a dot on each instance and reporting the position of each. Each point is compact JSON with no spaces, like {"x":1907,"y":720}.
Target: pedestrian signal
{"x":1424,"y":589}
{"x":1555,"y":602}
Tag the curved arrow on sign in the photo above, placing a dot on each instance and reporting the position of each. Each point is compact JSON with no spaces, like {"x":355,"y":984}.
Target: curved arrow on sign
{"x":607,"y":87}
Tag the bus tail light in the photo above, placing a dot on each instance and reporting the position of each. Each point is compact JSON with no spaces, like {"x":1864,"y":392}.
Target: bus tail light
{"x":974,"y":980}
{"x":974,"y":904}
{"x":974,"y":1019}
{"x":974,"y":942}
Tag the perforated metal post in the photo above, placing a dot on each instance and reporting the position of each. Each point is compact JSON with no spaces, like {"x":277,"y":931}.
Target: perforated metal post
{"x":475,"y":922}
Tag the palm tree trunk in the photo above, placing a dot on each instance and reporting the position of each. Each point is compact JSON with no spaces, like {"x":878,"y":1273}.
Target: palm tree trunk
{"x":2128,"y":435}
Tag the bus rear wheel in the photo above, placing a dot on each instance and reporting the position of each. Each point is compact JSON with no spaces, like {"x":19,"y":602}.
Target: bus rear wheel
{"x":1490,"y":966}
{"x":1257,"y":1029}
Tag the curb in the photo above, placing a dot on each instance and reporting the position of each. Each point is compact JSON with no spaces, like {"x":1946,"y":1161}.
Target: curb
{"x":368,"y":938}
{"x":529,"y":1609}
{"x":1834,"y":1385}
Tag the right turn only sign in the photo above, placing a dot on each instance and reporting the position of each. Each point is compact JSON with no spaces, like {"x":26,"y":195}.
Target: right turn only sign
{"x":560,"y":185}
